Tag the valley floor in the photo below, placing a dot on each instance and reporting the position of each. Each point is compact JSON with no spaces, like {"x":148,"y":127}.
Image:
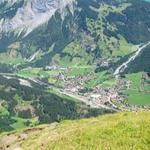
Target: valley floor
{"x":84,"y":84}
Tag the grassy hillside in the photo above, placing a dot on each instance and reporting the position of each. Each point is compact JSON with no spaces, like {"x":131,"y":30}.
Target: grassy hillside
{"x":123,"y":131}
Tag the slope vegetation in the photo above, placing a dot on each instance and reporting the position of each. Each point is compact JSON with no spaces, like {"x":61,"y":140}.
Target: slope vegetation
{"x":26,"y":103}
{"x":122,"y":131}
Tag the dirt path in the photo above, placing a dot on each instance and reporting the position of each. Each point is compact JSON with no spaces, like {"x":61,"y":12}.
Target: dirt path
{"x":13,"y":141}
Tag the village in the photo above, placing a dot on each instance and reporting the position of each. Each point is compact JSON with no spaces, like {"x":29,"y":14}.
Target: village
{"x":98,"y":96}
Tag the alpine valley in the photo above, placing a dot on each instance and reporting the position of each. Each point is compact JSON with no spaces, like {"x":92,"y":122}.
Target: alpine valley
{"x":73,"y":59}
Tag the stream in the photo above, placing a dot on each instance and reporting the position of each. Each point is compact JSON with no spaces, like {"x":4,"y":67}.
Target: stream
{"x":123,"y":66}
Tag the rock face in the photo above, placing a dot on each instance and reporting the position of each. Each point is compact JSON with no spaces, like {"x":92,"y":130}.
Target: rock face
{"x":32,"y":14}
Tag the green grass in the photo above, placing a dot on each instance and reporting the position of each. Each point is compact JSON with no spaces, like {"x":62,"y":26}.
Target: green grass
{"x":36,"y":72}
{"x":135,"y":78}
{"x":138,"y":98}
{"x":21,"y":123}
{"x":99,"y":78}
{"x":80,"y":70}
{"x":134,"y":96}
{"x":121,"y":131}
{"x":66,"y":97}
{"x":3,"y":110}
{"x":75,"y":54}
{"x":11,"y":61}
{"x":110,"y":46}
{"x":125,"y":48}
{"x":147,"y":87}
{"x":108,"y":83}
{"x":9,"y":123}
{"x":26,"y":73}
{"x":11,"y":57}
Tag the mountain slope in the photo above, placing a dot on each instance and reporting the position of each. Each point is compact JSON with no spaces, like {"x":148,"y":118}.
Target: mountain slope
{"x":121,"y":131}
{"x":98,"y":28}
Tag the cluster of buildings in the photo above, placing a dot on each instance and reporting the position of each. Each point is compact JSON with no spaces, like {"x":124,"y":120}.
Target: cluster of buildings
{"x":110,"y":96}
{"x":97,"y":95}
